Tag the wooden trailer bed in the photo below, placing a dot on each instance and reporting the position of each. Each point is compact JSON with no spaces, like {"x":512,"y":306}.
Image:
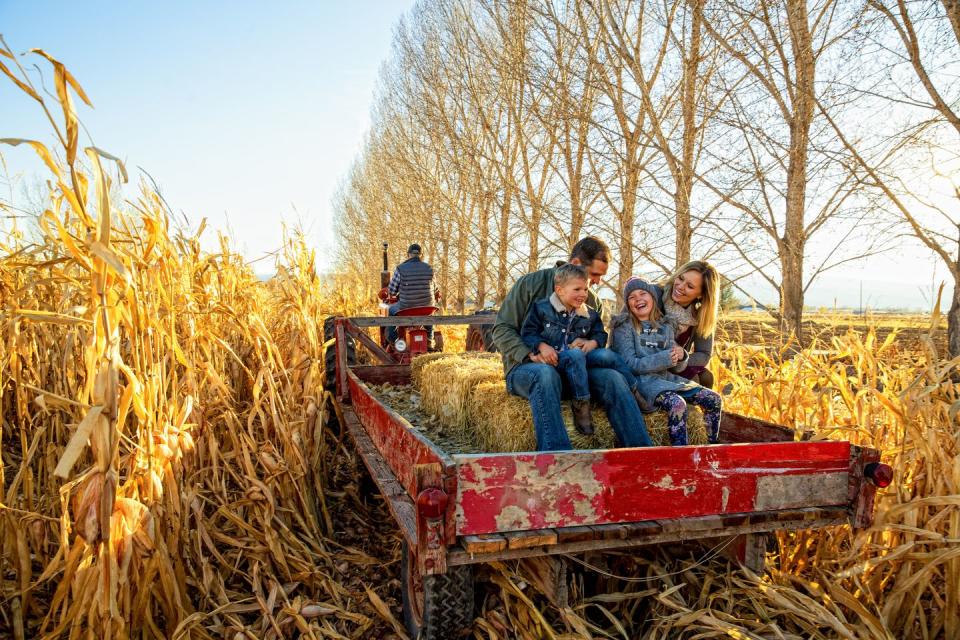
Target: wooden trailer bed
{"x":455,"y":510}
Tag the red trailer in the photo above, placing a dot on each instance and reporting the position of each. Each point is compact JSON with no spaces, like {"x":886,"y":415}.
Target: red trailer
{"x":457,"y":510}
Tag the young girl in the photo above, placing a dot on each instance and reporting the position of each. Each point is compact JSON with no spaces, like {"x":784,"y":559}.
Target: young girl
{"x":648,"y":347}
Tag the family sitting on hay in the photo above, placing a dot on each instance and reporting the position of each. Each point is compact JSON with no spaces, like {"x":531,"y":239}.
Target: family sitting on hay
{"x":550,"y":332}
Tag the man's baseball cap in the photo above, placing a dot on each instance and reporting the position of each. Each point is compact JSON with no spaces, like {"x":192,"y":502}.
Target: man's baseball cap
{"x":414,"y":248}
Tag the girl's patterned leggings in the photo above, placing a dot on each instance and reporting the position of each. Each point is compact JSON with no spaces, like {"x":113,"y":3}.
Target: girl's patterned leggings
{"x":676,"y":408}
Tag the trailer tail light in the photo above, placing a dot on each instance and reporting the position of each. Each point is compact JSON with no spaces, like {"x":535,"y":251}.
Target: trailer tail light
{"x":432,"y":503}
{"x":879,"y":474}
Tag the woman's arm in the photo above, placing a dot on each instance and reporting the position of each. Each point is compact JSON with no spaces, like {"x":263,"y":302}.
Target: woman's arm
{"x":642,"y":360}
{"x":701,"y":352}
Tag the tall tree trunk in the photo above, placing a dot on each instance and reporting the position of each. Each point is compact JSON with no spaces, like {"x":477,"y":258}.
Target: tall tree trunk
{"x":503,"y":230}
{"x":627,"y":218}
{"x":533,"y":259}
{"x":445,"y":260}
{"x":793,"y":241}
{"x":953,"y":316}
{"x":483,"y":250}
{"x":689,"y":110}
{"x":952,"y":7}
{"x":462,"y":233}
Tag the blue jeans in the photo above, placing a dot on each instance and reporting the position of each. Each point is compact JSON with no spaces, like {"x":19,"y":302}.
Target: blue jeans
{"x":541,"y":385}
{"x":573,"y":364}
{"x":392,"y":331}
{"x":604,"y":358}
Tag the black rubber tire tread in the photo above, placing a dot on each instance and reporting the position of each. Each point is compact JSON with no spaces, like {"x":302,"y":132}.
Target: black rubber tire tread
{"x":484,"y":332}
{"x":330,"y":355}
{"x":447,"y":602}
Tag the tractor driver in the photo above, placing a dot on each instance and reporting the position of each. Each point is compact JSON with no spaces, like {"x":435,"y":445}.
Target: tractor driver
{"x":530,"y":376}
{"x":412,"y":286}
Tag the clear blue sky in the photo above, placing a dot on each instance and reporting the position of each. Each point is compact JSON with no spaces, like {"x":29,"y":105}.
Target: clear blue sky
{"x":250,"y":113}
{"x":247,"y":113}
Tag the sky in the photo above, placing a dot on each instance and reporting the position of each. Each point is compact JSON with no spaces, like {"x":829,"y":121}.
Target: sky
{"x":246,"y":113}
{"x":249,"y":114}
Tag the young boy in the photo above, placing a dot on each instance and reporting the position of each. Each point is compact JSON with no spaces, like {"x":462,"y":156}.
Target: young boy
{"x":558,"y":326}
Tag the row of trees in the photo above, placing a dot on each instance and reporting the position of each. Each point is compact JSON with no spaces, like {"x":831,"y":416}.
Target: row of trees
{"x":776,"y":138}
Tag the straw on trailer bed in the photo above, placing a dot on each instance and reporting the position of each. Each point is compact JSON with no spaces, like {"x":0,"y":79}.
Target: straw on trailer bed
{"x":504,"y":423}
{"x":446,"y":383}
{"x":467,"y":394}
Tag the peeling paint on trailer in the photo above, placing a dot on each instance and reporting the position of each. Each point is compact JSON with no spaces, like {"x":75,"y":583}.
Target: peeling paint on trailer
{"x":511,"y":492}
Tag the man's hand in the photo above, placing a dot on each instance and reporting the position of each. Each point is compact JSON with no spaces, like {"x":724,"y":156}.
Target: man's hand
{"x":585,"y":345}
{"x":545,"y":355}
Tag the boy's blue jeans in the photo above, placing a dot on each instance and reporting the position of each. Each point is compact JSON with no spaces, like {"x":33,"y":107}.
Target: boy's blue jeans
{"x":573,"y":364}
{"x":542,"y":386}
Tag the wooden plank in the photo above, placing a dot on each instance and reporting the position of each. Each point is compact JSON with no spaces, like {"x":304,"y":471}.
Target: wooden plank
{"x":737,"y":428}
{"x":861,"y":492}
{"x":613,"y":531}
{"x":414,"y":321}
{"x":549,"y":576}
{"x":341,"y":352}
{"x":395,"y":374}
{"x":637,"y":529}
{"x":535,"y":538}
{"x":691,"y":525}
{"x":431,"y":541}
{"x":575,"y":534}
{"x":497,"y":493}
{"x":374,"y":348}
{"x":398,"y":502}
{"x":828,"y":516}
{"x":484,"y":543}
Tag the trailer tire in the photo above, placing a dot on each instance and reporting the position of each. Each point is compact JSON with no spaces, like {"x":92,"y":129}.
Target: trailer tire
{"x":330,"y":354}
{"x":436,"y":607}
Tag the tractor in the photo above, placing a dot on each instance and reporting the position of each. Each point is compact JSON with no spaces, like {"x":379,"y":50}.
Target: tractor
{"x":411,"y":340}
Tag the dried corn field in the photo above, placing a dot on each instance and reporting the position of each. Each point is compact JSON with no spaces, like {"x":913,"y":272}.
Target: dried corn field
{"x":166,"y":471}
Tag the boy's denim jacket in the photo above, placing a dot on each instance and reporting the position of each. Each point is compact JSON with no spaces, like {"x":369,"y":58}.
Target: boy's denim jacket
{"x":549,"y":321}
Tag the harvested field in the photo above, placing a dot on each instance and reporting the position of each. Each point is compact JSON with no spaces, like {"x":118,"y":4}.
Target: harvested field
{"x":165,"y":469}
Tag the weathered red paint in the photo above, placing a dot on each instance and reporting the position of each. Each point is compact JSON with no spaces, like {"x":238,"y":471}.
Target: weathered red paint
{"x":510,"y":492}
{"x":400,"y":446}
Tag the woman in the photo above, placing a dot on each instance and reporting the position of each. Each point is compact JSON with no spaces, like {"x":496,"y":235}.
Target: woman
{"x":690,"y":301}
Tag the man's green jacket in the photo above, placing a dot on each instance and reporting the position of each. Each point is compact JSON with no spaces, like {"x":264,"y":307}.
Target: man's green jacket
{"x":527,"y":290}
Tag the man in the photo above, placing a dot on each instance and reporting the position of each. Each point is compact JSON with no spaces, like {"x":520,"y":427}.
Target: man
{"x":529,"y":376}
{"x":412,"y":285}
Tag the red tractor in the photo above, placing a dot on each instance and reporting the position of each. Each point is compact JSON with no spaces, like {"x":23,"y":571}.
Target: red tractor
{"x":412,"y":337}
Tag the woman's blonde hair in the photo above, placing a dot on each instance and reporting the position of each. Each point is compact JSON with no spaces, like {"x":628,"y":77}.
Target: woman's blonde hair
{"x":706,"y":307}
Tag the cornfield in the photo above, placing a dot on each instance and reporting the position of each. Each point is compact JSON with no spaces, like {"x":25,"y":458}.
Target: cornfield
{"x":165,"y":471}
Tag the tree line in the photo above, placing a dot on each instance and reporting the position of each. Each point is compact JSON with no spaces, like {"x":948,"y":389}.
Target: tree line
{"x":778,"y":139}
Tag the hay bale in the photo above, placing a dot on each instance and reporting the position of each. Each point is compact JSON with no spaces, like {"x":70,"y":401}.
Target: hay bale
{"x":445,"y":385}
{"x":418,"y":363}
{"x":466,"y":392}
{"x":503,"y":423}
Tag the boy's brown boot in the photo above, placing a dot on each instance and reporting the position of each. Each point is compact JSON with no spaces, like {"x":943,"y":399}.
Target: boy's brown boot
{"x":582,"y":419}
{"x":645,"y":406}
